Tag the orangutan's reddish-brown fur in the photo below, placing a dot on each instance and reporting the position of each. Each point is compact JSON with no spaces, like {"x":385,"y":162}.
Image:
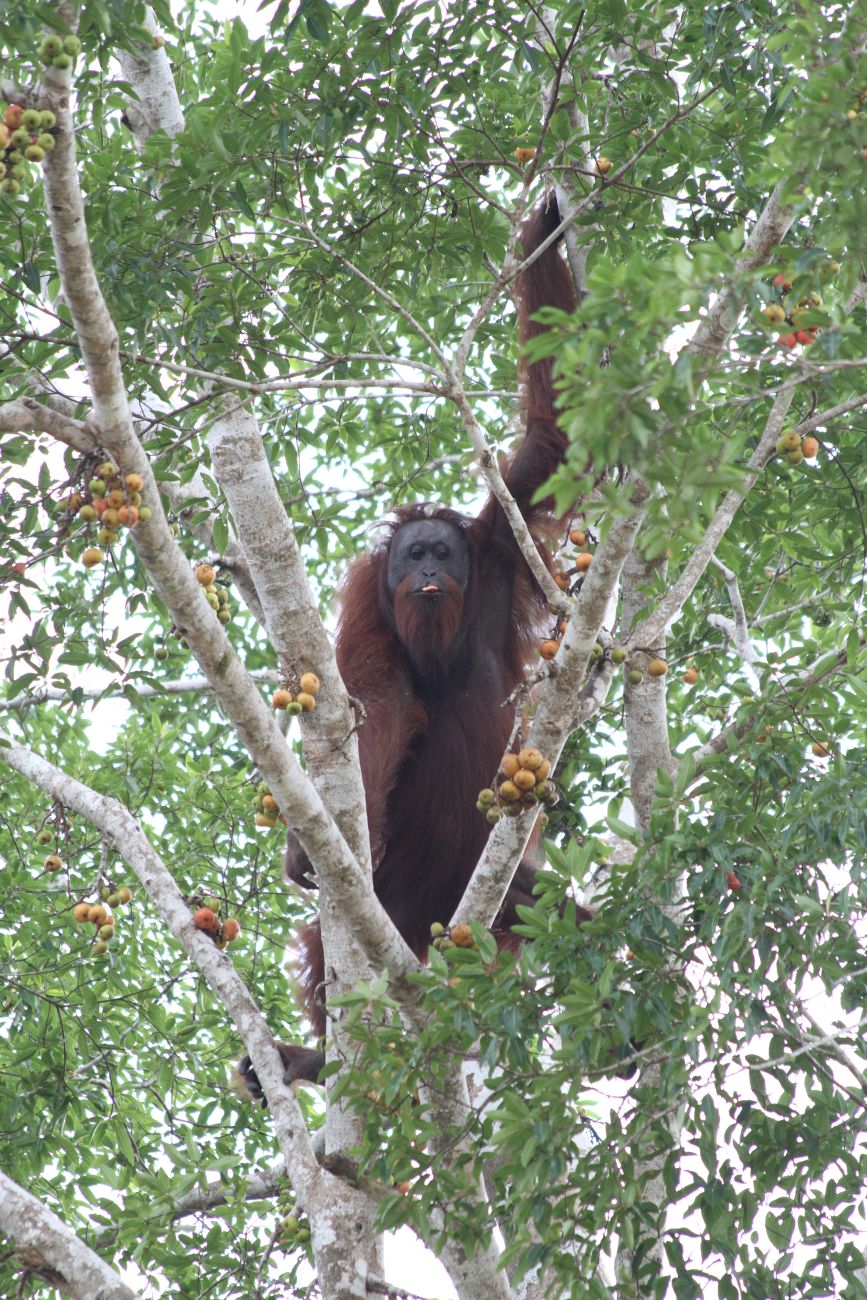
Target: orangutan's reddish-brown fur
{"x":434,"y":678}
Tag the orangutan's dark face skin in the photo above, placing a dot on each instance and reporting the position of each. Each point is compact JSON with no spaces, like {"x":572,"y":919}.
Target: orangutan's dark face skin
{"x":424,"y":554}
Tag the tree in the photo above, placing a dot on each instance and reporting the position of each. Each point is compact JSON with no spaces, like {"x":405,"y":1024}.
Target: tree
{"x":259,"y":285}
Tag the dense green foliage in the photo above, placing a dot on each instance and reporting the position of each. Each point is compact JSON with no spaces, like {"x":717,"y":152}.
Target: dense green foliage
{"x":339,"y":139}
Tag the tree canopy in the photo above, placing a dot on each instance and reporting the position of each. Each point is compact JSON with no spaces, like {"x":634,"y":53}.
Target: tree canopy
{"x":258,"y":283}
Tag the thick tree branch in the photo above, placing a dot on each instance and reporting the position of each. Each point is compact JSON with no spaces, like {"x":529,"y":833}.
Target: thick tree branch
{"x":174,"y":582}
{"x":292,"y":618}
{"x":318,"y":1190}
{"x":126,"y":837}
{"x":652,"y":629}
{"x":25,"y":414}
{"x":44,"y":1245}
{"x":567,"y":702}
{"x":712,"y":336}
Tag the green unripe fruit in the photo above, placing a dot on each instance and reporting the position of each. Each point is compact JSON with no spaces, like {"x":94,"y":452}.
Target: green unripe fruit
{"x":493,"y":815}
{"x":635,"y":677}
{"x":213,"y":601}
{"x":87,"y":513}
{"x":96,"y":487}
{"x":106,"y":932}
{"x":487,"y":798}
{"x":437,"y":929}
{"x":212,"y":903}
{"x":113,"y":900}
{"x":44,"y":836}
{"x":31,"y":119}
{"x":9,"y":186}
{"x":18,"y":172}
{"x":225,"y":616}
{"x":161,"y":652}
{"x":16,"y":156}
{"x":99,"y":948}
{"x":106,"y":536}
{"x":618,"y":654}
{"x":105,"y":891}
{"x":63,"y":61}
{"x":20,"y":138}
{"x":144,"y":512}
{"x":2,"y":170}
{"x":107,"y":469}
{"x":47,"y":119}
{"x":596,"y":653}
{"x":45,"y":141}
{"x":795,"y":457}
{"x":72,"y":45}
{"x":34,"y":153}
{"x":291,"y":1223}
{"x":50,"y":48}
{"x":292,"y":709}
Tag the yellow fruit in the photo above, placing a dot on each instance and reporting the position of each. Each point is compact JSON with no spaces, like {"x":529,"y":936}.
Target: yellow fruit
{"x":310,"y":684}
{"x":206,"y":574}
{"x":657,"y":667}
{"x":281,"y":699}
{"x":307,"y":702}
{"x":461,"y":936}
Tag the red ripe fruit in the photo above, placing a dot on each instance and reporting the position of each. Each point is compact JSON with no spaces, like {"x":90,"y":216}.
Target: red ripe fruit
{"x":733,"y":881}
{"x":782,"y":283}
{"x":789,"y":340}
{"x":804,"y":337}
{"x":205,"y":919}
{"x":231,"y":929}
